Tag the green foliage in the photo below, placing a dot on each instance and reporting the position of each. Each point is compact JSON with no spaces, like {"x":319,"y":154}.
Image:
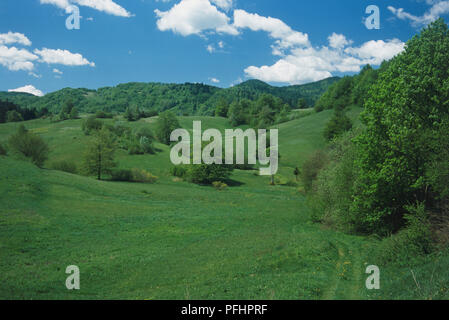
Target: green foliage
{"x":166,"y":124}
{"x":312,"y":167}
{"x":3,"y":151}
{"x":90,"y":125}
{"x":122,"y":175}
{"x":208,"y":173}
{"x":220,"y":186}
{"x":302,"y":104}
{"x":74,"y":113}
{"x":101,"y":114}
{"x":404,"y":115}
{"x":179,"y":171}
{"x":338,"y":96}
{"x":99,"y":155}
{"x":222,"y":108}
{"x":143,"y":176}
{"x":410,"y":243}
{"x":65,"y":166}
{"x":152,"y":98}
{"x":29,"y":145}
{"x":10,"y":112}
{"x":339,"y":124}
{"x":13,"y":116}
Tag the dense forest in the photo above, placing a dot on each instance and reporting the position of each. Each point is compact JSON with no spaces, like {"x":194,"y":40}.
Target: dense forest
{"x":182,"y":99}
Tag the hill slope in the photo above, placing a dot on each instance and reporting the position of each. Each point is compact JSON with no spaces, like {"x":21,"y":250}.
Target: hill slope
{"x":184,"y":99}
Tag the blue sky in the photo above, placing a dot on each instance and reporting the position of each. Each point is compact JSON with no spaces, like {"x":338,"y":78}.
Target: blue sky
{"x":217,"y":42}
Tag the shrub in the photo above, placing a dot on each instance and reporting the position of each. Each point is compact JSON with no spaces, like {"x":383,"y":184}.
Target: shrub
{"x":64,"y":165}
{"x":338,"y":125}
{"x":178,"y":171}
{"x":312,"y":167}
{"x":100,"y":114}
{"x":29,"y":145}
{"x":208,"y":173}
{"x":143,"y":176}
{"x":122,"y":175}
{"x":2,"y":150}
{"x":91,"y":124}
{"x":166,"y":123}
{"x":219,"y":185}
{"x":409,"y":243}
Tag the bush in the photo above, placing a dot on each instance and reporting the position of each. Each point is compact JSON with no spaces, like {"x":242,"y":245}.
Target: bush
{"x":178,"y":171}
{"x":312,"y":167}
{"x":3,"y":151}
{"x":29,"y":145}
{"x":91,"y":124}
{"x":100,"y":114}
{"x":220,"y":186}
{"x":165,"y":125}
{"x":208,"y":173}
{"x":338,"y":125}
{"x":122,"y":175}
{"x":411,"y":242}
{"x":143,"y":176}
{"x":64,"y":165}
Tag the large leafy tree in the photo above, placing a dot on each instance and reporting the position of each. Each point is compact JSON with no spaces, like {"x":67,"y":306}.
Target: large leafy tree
{"x":406,"y":113}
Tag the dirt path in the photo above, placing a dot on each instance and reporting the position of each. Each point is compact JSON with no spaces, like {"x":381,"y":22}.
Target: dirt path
{"x":348,"y":275}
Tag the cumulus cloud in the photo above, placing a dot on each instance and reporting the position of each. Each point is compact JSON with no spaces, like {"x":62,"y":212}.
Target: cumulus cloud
{"x":304,"y":65}
{"x":223,"y":4}
{"x":214,"y":80}
{"x":64,"y":57}
{"x":437,"y":9}
{"x":374,"y":52}
{"x":28,"y":89}
{"x":285,"y":37}
{"x":194,"y":17}
{"x":107,"y":6}
{"x":338,"y":41}
{"x":14,"y":37}
{"x":15,"y":59}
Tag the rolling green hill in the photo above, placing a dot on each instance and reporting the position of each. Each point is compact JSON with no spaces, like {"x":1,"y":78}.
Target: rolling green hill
{"x":175,"y":240}
{"x":184,"y":99}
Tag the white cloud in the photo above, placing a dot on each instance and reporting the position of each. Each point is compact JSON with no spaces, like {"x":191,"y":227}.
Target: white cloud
{"x":14,"y":37}
{"x":221,"y":44}
{"x":285,"y":36}
{"x":57,"y":71}
{"x":437,"y":9}
{"x":194,"y":17}
{"x":210,"y":48}
{"x":338,"y":41}
{"x":107,"y":6}
{"x":28,"y":89}
{"x":223,"y":4}
{"x":374,"y":52}
{"x":63,"y":57}
{"x":214,"y":80}
{"x":17,"y":59}
{"x":304,"y":65}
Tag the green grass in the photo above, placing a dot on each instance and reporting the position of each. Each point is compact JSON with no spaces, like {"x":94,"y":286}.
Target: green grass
{"x":175,"y":240}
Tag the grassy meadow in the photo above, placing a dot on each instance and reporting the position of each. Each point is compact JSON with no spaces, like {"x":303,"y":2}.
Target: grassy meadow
{"x":177,"y":240}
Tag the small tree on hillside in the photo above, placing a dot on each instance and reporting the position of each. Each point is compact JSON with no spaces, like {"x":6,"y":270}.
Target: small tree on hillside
{"x":166,"y":124}
{"x":99,"y":156}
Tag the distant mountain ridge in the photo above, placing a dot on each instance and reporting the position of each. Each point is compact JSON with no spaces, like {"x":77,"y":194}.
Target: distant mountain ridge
{"x":184,"y":99}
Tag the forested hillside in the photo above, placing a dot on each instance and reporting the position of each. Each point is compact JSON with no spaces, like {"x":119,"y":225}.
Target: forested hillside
{"x":183,"y":99}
